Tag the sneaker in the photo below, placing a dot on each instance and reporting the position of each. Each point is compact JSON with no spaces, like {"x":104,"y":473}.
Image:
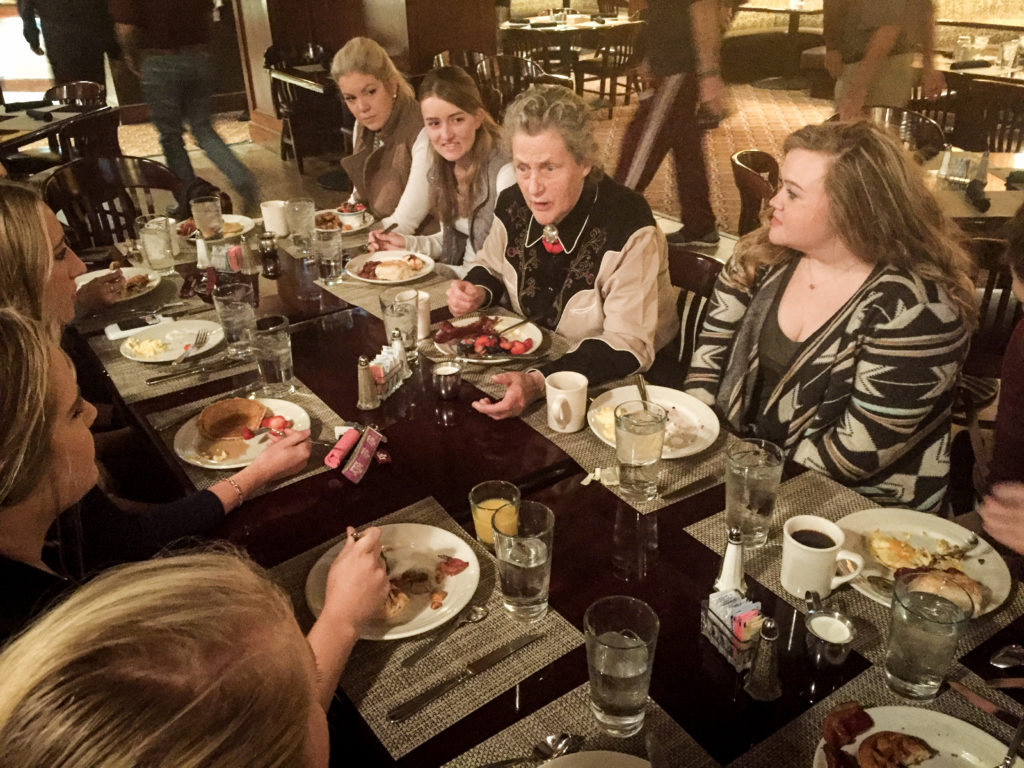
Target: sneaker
{"x":682,"y":237}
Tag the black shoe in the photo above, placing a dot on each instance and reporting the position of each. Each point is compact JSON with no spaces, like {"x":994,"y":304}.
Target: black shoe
{"x":682,"y":237}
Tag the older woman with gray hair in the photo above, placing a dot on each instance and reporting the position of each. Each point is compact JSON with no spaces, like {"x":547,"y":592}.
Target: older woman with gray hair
{"x":571,"y":250}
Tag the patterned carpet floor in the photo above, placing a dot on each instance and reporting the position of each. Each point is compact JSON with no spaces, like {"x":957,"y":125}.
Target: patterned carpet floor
{"x":760,"y":119}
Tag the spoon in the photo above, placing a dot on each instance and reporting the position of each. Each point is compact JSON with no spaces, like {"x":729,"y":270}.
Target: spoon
{"x":879,"y":583}
{"x":472,"y":615}
{"x":551,"y":746}
{"x":1008,"y":656}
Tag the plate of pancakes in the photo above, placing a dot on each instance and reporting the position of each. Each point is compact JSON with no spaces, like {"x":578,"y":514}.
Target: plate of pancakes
{"x":214,"y":437}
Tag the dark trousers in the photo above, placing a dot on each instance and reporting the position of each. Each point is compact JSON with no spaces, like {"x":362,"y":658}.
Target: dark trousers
{"x":667,"y":121}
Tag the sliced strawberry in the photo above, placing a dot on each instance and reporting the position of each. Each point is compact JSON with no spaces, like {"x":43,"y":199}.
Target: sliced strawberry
{"x":528,"y":343}
{"x":517,"y":348}
{"x":504,"y":343}
{"x":247,"y":434}
{"x":277,"y":422}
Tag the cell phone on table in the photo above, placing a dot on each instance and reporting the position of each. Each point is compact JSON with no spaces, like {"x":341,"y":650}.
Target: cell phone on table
{"x":134,"y":323}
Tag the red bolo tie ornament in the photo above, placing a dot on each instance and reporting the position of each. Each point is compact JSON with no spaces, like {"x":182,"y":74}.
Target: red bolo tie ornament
{"x":549,"y":239}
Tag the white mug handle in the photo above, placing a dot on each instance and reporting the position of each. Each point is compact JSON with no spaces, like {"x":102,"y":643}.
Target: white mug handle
{"x":562,"y":412}
{"x":853,"y":557}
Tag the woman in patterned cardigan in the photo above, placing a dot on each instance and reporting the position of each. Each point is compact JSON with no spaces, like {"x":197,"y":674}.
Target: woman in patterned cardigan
{"x":838,"y":328}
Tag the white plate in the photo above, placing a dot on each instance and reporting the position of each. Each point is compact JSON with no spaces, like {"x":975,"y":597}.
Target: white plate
{"x":176,"y":335}
{"x":695,"y":414}
{"x":984,"y":564}
{"x":367,"y":221}
{"x":187,"y":441}
{"x":598,"y":759}
{"x":357,"y":263}
{"x":408,"y":545}
{"x":957,"y":744}
{"x":522,"y":333}
{"x":229,"y":218}
{"x":127,"y":272}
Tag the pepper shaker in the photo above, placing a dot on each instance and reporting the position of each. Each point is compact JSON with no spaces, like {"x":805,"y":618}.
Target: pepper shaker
{"x":368,"y":396}
{"x":763,"y":679}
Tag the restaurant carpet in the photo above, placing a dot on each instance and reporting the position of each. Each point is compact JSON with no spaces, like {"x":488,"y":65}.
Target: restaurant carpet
{"x":760,"y":119}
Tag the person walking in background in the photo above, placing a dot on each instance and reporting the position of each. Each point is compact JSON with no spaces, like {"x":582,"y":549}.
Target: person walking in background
{"x":166,"y":45}
{"x":682,"y":42}
{"x":870,"y":48}
{"x":76,"y":33}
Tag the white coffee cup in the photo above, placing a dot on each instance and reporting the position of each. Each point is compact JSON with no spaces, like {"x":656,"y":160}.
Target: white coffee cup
{"x":422,"y":315}
{"x":274,"y":217}
{"x":567,"y":400}
{"x":809,"y":559}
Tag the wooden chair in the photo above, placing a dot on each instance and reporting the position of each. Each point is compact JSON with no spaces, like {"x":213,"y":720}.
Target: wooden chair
{"x":91,"y":135}
{"x":695,"y":274}
{"x":997,"y":110}
{"x":756,"y":174}
{"x":999,"y":310}
{"x":539,"y":46}
{"x":101,"y":197}
{"x":502,"y":78}
{"x":459,"y":57}
{"x":948,"y":109}
{"x":81,"y":93}
{"x":615,"y":58}
{"x":918,"y":133}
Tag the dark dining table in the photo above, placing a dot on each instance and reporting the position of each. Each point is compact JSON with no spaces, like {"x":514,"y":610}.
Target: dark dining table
{"x":665,"y":554}
{"x":18,"y":127}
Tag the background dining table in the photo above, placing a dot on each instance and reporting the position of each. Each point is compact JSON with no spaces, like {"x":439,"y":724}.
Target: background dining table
{"x":666,"y":555}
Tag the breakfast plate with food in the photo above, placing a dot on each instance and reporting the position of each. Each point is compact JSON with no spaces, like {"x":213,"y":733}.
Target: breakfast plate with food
{"x":490,"y":339}
{"x":234,"y":226}
{"x":692,"y":426}
{"x":390,"y":267}
{"x":165,"y":342}
{"x":878,"y":737}
{"x":348,"y":222}
{"x":891,"y":539}
{"x":433,"y":575}
{"x":221,"y":436}
{"x":137,"y":281}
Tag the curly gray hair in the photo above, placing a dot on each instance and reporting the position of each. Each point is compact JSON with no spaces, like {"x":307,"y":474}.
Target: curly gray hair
{"x":544,"y":107}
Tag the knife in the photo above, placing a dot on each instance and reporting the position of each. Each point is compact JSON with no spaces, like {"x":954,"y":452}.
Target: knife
{"x":474,"y":668}
{"x":984,"y":704}
{"x":1006,"y":682}
{"x":692,"y":489}
{"x":209,"y":368}
{"x":190,"y":311}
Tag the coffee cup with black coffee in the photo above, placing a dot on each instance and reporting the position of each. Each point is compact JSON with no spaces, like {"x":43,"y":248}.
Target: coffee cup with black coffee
{"x":811,"y":547}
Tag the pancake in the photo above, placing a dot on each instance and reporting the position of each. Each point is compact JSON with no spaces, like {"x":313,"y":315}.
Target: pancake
{"x":394,"y":269}
{"x":228,"y":419}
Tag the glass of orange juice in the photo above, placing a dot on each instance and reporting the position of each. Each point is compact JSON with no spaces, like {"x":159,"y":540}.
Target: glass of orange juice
{"x":487,"y":499}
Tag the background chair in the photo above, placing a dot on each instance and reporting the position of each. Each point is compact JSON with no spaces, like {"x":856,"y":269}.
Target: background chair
{"x":615,"y":58}
{"x":997,"y":115}
{"x":539,"y":46}
{"x":81,"y":93}
{"x":756,"y":174}
{"x":918,"y":133}
{"x":948,"y":109}
{"x":502,"y":78}
{"x":999,"y":309}
{"x":459,"y":57}
{"x":91,"y":135}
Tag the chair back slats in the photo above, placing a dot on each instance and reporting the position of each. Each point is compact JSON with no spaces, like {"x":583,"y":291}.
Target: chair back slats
{"x":91,"y":135}
{"x":756,"y":174}
{"x":917,"y":132}
{"x":999,"y":310}
{"x":1001,"y":110}
{"x":502,"y":78}
{"x":84,"y":93}
{"x":695,"y":274}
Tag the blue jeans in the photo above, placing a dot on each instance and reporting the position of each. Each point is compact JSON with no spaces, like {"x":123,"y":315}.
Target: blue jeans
{"x":178,"y":88}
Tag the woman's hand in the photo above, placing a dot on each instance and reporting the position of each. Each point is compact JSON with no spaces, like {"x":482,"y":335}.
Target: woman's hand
{"x":521,"y":389}
{"x":357,"y":582}
{"x":378,"y":240}
{"x":464,"y":297}
{"x":1003,"y":514}
{"x":101,"y":292}
{"x":283,"y":457}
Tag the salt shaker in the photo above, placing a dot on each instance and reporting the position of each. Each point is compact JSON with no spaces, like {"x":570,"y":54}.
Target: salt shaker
{"x":368,"y":395}
{"x":730,"y":577}
{"x":398,"y":348}
{"x":763,"y":679}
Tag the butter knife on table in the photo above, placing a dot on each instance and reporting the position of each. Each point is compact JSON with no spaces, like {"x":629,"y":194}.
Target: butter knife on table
{"x":984,"y":704}
{"x":691,"y":489}
{"x":472,"y":669}
{"x":212,"y":367}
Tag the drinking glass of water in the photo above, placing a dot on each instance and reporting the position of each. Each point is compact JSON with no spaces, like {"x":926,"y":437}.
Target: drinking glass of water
{"x":300,"y":216}
{"x":522,"y":544}
{"x":621,"y":633}
{"x":154,"y":231}
{"x":208,"y":216}
{"x":639,"y":435}
{"x":329,"y":258}
{"x":929,"y":613}
{"x":753,"y":471}
{"x":398,"y":308}
{"x":272,"y":346}
{"x":236,"y":311}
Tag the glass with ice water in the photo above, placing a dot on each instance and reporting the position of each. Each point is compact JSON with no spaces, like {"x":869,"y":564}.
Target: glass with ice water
{"x":154,"y":232}
{"x":621,"y":633}
{"x":329,"y":258}
{"x":300,"y":215}
{"x":236,"y":311}
{"x":639,"y":435}
{"x":522,"y":544}
{"x":272,"y":346}
{"x":753,"y":471}
{"x":924,"y":629}
{"x":209,"y":219}
{"x":398,"y":307}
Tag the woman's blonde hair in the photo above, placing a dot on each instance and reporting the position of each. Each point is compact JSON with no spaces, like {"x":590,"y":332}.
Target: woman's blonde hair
{"x":26,"y":258}
{"x":551,"y":107}
{"x":453,"y":85}
{"x":880,"y":209}
{"x":27,"y":405}
{"x":189,"y":661}
{"x":363,"y":55}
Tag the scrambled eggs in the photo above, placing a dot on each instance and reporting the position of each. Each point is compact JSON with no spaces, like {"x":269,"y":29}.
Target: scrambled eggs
{"x":147,"y":348}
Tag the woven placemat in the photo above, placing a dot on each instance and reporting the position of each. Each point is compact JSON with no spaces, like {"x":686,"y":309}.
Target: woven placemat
{"x":130,"y":376}
{"x":366,"y":295}
{"x":812,"y":493}
{"x":322,"y":419}
{"x":796,"y":743}
{"x":376,"y":682}
{"x":165,"y":293}
{"x":571,"y":714}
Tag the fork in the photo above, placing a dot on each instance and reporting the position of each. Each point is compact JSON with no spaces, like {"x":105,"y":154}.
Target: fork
{"x":641,"y":386}
{"x":195,"y":346}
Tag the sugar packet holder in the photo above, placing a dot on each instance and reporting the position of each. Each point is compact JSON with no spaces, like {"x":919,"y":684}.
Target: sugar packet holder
{"x":360,"y":448}
{"x":732,"y":624}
